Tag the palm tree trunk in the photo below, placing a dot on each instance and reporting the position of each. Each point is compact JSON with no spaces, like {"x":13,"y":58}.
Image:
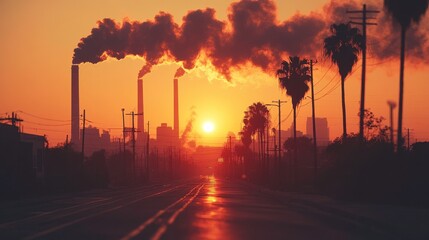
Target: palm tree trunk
{"x":343,"y":103}
{"x":267,"y":140}
{"x":391,"y":128}
{"x":260,"y":149}
{"x":400,"y":141}
{"x":295,"y":152}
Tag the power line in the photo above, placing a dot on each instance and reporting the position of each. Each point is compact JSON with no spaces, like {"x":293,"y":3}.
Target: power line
{"x":42,"y":118}
{"x":49,"y":125}
{"x":333,"y":77}
{"x":47,"y":130}
{"x":284,"y":119}
{"x":329,"y":91}
{"x":315,"y":84}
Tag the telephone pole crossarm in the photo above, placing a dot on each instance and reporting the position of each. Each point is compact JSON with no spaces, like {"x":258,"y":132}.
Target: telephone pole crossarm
{"x":364,"y":24}
{"x":133,"y":131}
{"x":278,"y":104}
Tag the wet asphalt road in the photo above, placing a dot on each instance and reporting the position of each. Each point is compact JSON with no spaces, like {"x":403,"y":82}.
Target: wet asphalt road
{"x":207,"y":208}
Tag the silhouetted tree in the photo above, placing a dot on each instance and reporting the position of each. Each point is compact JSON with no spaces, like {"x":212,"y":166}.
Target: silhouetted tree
{"x":64,"y":169}
{"x":119,"y":167}
{"x":246,"y":140}
{"x":241,"y":151}
{"x":246,"y":136}
{"x":303,"y":143}
{"x":294,"y":77}
{"x":374,"y":130}
{"x":343,"y":47}
{"x":255,"y":120}
{"x":304,"y":163}
{"x":96,"y":169}
{"x":404,"y":12}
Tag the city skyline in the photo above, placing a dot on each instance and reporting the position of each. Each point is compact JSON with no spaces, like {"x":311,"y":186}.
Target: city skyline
{"x":214,"y":119}
{"x":108,"y":86}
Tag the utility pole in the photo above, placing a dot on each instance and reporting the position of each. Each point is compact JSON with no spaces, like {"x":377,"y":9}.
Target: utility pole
{"x":313,"y":111}
{"x":14,"y":119}
{"x":147,"y":153}
{"x":230,"y":156}
{"x":83,"y":135}
{"x":134,"y":144}
{"x":364,"y":23}
{"x":280,"y":131}
{"x":274,"y":142}
{"x":133,"y":136}
{"x":123,"y":127}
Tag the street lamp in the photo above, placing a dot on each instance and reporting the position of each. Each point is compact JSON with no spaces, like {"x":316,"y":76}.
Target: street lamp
{"x":280,"y":134}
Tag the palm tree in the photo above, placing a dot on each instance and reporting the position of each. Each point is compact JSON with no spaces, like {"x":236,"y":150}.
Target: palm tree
{"x":255,"y":120}
{"x":343,"y":47}
{"x":404,"y":12}
{"x":294,"y":76}
{"x":246,"y":140}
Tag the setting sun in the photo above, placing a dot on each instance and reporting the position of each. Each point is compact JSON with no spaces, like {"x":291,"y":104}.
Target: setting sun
{"x":208,"y":127}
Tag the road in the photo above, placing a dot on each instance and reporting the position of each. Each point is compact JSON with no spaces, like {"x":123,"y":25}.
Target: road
{"x":206,"y":208}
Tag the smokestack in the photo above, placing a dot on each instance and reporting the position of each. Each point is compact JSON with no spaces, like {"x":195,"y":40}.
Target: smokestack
{"x":140,"y":106}
{"x":176,"y":109}
{"x":75,"y":105}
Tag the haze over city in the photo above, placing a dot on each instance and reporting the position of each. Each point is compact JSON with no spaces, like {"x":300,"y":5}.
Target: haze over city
{"x":214,"y":119}
{"x":36,"y":62}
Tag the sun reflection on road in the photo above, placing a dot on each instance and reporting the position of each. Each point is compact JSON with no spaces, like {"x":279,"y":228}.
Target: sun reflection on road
{"x":211,"y":219}
{"x":211,"y":190}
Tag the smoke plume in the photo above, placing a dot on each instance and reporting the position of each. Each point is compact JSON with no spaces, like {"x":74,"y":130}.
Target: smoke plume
{"x":188,"y":129}
{"x":144,"y":70}
{"x":252,"y":34}
{"x":179,"y":72}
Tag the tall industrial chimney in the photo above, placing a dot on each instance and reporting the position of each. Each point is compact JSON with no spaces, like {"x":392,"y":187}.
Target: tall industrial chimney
{"x":75,"y":105}
{"x":176,"y":109}
{"x":140,"y":107}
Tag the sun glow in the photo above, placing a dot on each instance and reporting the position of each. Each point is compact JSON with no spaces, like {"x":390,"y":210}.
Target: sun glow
{"x":208,"y":126}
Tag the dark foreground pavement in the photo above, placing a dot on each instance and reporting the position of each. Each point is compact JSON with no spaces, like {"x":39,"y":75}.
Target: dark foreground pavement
{"x":207,"y":208}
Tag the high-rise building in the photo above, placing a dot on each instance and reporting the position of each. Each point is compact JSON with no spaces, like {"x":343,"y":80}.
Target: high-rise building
{"x":94,"y":141}
{"x":165,"y":136}
{"x":322,"y":130}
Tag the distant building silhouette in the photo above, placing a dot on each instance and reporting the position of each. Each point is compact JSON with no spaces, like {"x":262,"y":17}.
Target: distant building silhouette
{"x":37,"y":151}
{"x":286,"y":134}
{"x":94,"y":141}
{"x":165,"y":136}
{"x":21,"y":159}
{"x":322,"y":130}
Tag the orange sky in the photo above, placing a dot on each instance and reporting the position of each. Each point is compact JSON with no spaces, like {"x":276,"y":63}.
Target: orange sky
{"x":38,"y":38}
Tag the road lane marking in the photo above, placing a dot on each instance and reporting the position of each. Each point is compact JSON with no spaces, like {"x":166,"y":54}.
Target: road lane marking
{"x":86,"y":205}
{"x":62,"y":212}
{"x":173,"y":217}
{"x":42,"y":214}
{"x":145,"y":224}
{"x":54,"y":229}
